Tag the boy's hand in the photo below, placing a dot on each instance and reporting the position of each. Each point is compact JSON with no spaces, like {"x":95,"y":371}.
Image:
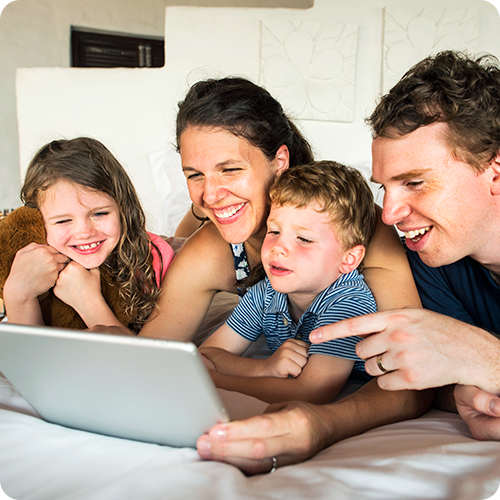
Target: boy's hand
{"x":288,"y":360}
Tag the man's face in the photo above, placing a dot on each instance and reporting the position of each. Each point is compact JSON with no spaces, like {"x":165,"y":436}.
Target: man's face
{"x":441,"y":204}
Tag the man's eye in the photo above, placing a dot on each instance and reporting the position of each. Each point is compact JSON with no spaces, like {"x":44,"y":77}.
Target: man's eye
{"x":414,"y":183}
{"x":193,"y":176}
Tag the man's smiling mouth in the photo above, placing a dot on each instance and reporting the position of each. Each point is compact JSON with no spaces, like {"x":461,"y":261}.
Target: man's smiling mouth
{"x":416,"y":234}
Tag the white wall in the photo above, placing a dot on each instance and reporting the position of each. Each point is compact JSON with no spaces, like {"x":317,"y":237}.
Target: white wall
{"x":36,"y":33}
{"x":133,"y":111}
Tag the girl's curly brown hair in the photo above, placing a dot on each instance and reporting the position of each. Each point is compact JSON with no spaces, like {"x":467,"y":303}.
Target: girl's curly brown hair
{"x":88,"y":163}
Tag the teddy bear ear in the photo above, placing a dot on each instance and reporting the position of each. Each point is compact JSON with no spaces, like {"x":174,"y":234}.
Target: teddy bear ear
{"x":20,"y":228}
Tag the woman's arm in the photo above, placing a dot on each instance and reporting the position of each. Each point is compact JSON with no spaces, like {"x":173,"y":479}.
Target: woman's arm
{"x":387,"y":271}
{"x":294,"y":432}
{"x":203,"y":266}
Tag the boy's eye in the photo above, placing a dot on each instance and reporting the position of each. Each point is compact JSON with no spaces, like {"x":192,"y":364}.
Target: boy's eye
{"x":63,"y":221}
{"x":100,"y":214}
{"x":304,"y":240}
{"x":273,"y":231}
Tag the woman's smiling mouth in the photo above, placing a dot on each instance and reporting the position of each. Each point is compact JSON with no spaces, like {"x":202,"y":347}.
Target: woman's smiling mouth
{"x":227,"y":212}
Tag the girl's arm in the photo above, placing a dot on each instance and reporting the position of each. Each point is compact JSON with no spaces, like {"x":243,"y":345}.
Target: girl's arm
{"x":203,"y":266}
{"x":34,"y":271}
{"x":319,"y":382}
{"x":80,"y":288}
{"x":387,"y":271}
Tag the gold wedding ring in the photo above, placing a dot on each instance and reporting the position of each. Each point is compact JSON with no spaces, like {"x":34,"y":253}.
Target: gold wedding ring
{"x":380,"y":365}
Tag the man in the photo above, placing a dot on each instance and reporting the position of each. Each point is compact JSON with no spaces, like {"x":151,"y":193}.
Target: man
{"x":436,"y":153}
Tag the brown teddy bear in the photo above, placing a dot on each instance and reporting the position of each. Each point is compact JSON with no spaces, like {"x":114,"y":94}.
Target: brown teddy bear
{"x":24,"y":226}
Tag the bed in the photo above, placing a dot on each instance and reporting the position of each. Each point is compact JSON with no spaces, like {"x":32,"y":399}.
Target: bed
{"x":433,"y":457}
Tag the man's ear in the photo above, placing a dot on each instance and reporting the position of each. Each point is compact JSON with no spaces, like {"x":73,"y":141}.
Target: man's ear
{"x":282,"y":159}
{"x":352,"y":259}
{"x":495,"y":176}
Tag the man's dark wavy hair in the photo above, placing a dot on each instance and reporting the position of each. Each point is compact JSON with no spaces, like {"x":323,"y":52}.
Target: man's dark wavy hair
{"x":452,"y":87}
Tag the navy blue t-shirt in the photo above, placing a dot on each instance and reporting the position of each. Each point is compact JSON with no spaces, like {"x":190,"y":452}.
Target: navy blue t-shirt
{"x":464,"y":290}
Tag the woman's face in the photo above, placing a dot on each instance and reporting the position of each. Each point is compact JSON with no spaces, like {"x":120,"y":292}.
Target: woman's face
{"x":228,"y":179}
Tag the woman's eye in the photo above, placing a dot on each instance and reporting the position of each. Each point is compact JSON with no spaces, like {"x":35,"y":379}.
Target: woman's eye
{"x":231,"y":170}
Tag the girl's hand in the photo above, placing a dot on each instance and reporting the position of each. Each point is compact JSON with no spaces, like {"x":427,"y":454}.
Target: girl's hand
{"x":289,"y":359}
{"x":79,"y":287}
{"x":34,"y":271}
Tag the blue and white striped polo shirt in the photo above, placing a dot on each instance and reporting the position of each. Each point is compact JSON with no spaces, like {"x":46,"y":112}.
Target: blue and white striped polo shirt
{"x":262,"y":310}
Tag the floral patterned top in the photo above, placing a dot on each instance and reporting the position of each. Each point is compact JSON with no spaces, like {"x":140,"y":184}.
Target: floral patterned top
{"x":241,"y":266}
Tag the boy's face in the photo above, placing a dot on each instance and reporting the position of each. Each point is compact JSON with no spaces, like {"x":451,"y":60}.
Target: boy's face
{"x":81,"y":224}
{"x":300,"y":253}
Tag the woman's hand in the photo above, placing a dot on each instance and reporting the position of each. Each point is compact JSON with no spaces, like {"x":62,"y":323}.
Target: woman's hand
{"x":480,"y":410}
{"x":290,"y":432}
{"x":289,"y":359}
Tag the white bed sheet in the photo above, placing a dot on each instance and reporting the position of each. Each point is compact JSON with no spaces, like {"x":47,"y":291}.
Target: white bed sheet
{"x":432,"y":457}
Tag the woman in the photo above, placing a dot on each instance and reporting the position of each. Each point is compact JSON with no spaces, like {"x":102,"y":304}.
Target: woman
{"x":234,"y":139}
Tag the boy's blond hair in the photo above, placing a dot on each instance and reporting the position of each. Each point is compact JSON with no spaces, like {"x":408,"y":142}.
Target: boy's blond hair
{"x":341,"y":191}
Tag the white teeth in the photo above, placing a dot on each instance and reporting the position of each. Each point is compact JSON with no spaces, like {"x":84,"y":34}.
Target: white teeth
{"x":88,"y":247}
{"x":412,"y":234}
{"x":229,"y":213}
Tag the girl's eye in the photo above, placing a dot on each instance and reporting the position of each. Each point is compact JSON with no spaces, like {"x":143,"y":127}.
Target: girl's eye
{"x":304,"y":240}
{"x":273,"y":232}
{"x":62,"y":221}
{"x":100,"y":214}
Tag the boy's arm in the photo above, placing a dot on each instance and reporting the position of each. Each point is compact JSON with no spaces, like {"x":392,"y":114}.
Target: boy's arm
{"x":224,"y":348}
{"x":320,"y":382}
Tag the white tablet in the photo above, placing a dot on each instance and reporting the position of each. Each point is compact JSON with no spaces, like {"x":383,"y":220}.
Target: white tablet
{"x":150,"y":390}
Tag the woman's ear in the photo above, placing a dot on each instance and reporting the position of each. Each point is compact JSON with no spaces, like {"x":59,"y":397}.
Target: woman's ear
{"x":282,"y":159}
{"x":352,"y":259}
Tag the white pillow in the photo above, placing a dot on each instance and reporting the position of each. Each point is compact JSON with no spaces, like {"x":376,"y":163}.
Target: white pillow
{"x":171,"y":186}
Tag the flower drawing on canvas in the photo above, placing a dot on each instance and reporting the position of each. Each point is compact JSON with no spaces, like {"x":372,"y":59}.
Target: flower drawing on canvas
{"x":310,"y":67}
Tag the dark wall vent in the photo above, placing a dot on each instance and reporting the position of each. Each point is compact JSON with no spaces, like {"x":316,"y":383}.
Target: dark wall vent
{"x":100,"y":49}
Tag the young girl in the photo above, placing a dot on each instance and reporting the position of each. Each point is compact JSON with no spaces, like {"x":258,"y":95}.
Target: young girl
{"x":95,"y":227}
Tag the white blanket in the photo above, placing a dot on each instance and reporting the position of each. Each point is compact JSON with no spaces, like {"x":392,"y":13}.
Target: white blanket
{"x":432,"y":457}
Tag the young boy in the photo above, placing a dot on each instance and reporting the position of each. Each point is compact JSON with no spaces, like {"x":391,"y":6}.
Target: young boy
{"x":322,"y":217}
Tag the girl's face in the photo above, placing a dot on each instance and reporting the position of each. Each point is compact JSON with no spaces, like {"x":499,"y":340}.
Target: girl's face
{"x":80,"y":223}
{"x":229,"y":180}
